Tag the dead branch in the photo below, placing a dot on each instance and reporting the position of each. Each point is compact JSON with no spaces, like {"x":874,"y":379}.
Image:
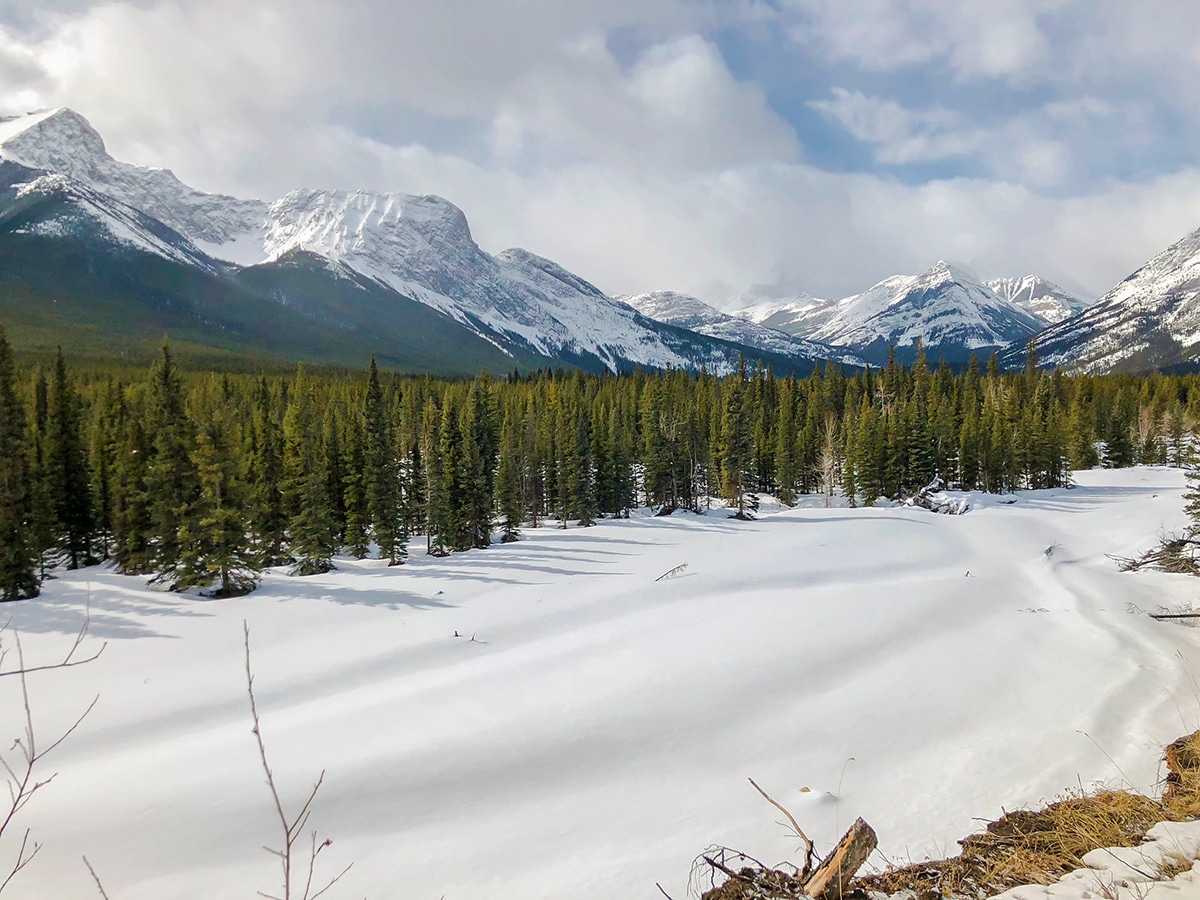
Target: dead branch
{"x":809,"y":853}
{"x":835,"y":871}
{"x":22,"y":785}
{"x":292,"y":828}
{"x":95,"y":878}
{"x":69,"y":661}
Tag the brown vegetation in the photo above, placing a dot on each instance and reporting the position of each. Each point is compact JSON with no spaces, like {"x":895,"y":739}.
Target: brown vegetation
{"x":1021,"y":847}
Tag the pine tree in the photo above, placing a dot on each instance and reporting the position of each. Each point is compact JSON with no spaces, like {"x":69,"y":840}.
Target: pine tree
{"x":305,"y":486}
{"x":1118,"y":437}
{"x":103,"y":449}
{"x":736,"y":447}
{"x":785,"y":444}
{"x":480,"y":447}
{"x":215,"y":549}
{"x":334,"y":474}
{"x":382,"y":473}
{"x":1081,"y":441}
{"x":67,"y":471}
{"x":133,"y":514}
{"x":171,"y":482}
{"x":354,"y":490}
{"x":43,"y":522}
{"x":268,"y":516}
{"x":448,"y":514}
{"x":508,"y":479}
{"x":18,"y":555}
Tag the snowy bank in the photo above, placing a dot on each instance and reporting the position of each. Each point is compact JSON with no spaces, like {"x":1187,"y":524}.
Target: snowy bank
{"x":913,"y":669}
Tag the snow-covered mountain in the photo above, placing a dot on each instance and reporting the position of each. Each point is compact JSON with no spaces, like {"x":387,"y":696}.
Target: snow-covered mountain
{"x":696,"y":315}
{"x":63,"y":142}
{"x":418,"y":247}
{"x":947,"y":309}
{"x":1149,"y":320}
{"x":799,"y":315}
{"x":1039,"y":297}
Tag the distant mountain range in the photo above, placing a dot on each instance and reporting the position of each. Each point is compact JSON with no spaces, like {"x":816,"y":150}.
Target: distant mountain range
{"x":106,"y":254}
{"x":949,"y":310}
{"x":695,"y":315}
{"x":105,"y":257}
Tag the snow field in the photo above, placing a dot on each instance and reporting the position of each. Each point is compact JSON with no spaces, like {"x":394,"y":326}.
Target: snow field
{"x":598,"y":732}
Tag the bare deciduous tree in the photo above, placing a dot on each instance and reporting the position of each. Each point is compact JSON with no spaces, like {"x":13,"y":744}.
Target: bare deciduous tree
{"x":292,"y":828}
{"x":21,"y":762}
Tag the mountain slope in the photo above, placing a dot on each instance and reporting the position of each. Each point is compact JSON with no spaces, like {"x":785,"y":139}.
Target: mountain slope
{"x":398,"y":246}
{"x":948,"y":310}
{"x":1150,"y":320}
{"x":84,"y":271}
{"x":695,"y":315}
{"x":1038,"y":297}
{"x":798,"y":316}
{"x":63,"y":142}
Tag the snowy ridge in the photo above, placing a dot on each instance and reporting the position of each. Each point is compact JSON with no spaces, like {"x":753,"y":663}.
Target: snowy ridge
{"x":118,"y":222}
{"x":418,"y":246}
{"x":421,"y":246}
{"x":695,"y":315}
{"x":797,"y":316}
{"x":1151,"y":318}
{"x":64,"y":142}
{"x":944,"y":307}
{"x":1039,"y":297}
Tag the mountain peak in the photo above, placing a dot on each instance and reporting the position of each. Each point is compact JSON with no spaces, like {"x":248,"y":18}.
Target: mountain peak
{"x":943,"y":271}
{"x":54,"y":139}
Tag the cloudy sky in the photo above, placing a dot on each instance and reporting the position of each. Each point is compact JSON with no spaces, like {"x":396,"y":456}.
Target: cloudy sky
{"x":708,"y":147}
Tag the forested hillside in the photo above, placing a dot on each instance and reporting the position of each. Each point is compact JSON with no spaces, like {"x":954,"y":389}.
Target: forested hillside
{"x":203,"y":479}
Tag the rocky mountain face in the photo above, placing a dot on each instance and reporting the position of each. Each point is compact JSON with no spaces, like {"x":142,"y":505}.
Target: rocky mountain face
{"x":950,"y":311}
{"x":1040,"y":298}
{"x":695,"y":315}
{"x":1150,"y":320}
{"x":60,"y":184}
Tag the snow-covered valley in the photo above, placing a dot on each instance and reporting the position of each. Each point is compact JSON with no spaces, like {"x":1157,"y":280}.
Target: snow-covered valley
{"x":596,"y":734}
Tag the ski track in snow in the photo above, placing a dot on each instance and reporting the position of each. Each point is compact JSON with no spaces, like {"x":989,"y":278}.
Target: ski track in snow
{"x":599,"y":733}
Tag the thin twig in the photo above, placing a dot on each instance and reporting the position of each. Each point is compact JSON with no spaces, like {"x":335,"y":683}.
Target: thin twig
{"x":292,"y":829}
{"x":95,"y":878}
{"x":808,"y":844}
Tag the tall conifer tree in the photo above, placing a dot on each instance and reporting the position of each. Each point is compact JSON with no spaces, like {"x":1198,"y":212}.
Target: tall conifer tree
{"x":18,"y":555}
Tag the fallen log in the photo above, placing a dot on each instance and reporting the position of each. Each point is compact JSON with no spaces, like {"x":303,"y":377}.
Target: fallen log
{"x":833,"y":875}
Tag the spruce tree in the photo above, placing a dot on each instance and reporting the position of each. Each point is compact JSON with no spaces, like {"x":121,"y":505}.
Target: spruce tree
{"x":215,"y":551}
{"x":67,"y":470}
{"x":508,"y":479}
{"x":305,"y":486}
{"x":18,"y":555}
{"x":268,"y":516}
{"x":736,"y":447}
{"x":43,"y":522}
{"x":479,"y":450}
{"x":133,"y":514}
{"x":354,"y":490}
{"x":171,"y":482}
{"x":382,"y":473}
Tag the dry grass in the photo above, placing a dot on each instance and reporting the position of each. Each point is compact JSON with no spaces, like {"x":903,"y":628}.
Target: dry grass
{"x":1182,"y":793}
{"x":1029,"y":846}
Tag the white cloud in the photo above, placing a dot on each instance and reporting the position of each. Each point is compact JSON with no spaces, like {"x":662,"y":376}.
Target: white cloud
{"x":655,"y":168}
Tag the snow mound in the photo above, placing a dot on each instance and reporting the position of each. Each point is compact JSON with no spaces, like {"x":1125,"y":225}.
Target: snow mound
{"x":1129,"y":873}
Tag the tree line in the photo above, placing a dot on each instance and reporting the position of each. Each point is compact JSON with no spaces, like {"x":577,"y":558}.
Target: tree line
{"x":203,"y":480}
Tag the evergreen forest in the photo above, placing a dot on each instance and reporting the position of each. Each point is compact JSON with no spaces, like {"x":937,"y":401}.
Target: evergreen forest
{"x":202,"y":480}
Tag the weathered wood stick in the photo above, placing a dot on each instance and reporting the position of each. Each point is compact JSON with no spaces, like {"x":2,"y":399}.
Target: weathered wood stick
{"x":835,"y":871}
